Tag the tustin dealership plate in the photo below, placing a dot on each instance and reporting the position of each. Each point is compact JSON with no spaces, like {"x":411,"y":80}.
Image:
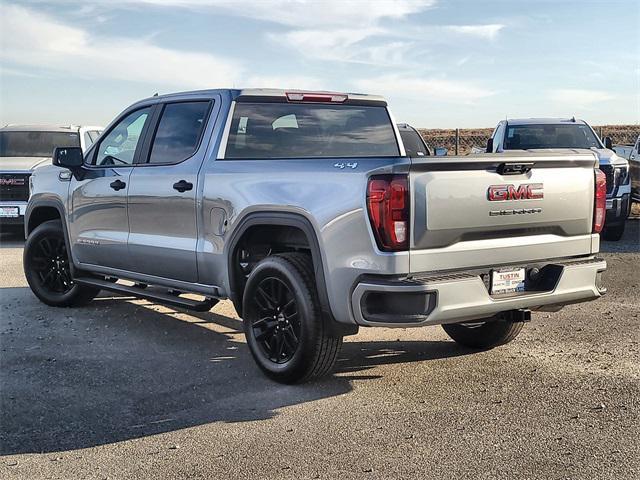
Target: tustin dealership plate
{"x":507,"y":281}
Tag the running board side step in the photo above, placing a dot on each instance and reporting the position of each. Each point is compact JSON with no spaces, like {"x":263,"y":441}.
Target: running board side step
{"x":159,"y":297}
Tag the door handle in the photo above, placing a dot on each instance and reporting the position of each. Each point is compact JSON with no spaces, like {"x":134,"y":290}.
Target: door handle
{"x":183,"y":186}
{"x":117,"y":185}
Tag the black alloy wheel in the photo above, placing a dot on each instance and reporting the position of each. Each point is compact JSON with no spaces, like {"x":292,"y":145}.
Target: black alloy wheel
{"x":50,"y":262}
{"x":47,"y":268}
{"x":283,"y":323}
{"x":277,"y":328}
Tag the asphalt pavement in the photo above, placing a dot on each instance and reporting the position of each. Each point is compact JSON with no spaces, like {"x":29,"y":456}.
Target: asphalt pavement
{"x":123,"y":388}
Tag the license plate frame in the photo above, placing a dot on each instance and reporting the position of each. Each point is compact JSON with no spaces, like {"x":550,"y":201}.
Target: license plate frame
{"x":9,"y":212}
{"x":507,"y":280}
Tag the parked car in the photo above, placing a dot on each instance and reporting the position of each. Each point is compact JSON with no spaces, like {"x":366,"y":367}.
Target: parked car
{"x":22,"y":149}
{"x":634,"y":170}
{"x":552,"y":133}
{"x":305,"y":210}
{"x":414,"y":144}
{"x":623,"y":151}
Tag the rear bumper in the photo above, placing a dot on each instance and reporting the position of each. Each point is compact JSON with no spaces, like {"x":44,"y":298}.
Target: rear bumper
{"x":456,"y":297}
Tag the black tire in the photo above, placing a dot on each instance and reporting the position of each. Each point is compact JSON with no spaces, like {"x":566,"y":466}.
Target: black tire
{"x":483,"y":334}
{"x":613,"y":233}
{"x":283,"y":321}
{"x":46,"y":266}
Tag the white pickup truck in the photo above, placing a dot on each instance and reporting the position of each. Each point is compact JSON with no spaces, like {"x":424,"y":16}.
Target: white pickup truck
{"x":544,"y":134}
{"x":632,"y":153}
{"x":22,"y":149}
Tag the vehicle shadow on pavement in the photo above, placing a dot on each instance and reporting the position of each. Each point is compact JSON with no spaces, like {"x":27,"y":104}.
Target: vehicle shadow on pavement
{"x":359,"y":356}
{"x":11,"y":239}
{"x":115,"y":371}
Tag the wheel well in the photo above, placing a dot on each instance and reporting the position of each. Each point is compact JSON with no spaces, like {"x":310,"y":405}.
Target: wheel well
{"x":258,"y":242}
{"x":40,"y":215}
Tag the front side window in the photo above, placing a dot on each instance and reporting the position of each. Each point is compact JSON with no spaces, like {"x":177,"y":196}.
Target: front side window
{"x":35,"y":143}
{"x":285,"y":130}
{"x":179,"y":131}
{"x":119,"y":146}
{"x":531,"y":137}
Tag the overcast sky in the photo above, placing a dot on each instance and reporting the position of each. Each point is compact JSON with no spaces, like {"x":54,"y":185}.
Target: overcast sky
{"x":440,"y":63}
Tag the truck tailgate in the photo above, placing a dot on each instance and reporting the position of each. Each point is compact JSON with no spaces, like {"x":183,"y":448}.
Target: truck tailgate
{"x":473,"y":212}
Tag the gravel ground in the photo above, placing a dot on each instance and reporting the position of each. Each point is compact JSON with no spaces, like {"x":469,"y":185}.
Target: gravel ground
{"x":126,"y":389}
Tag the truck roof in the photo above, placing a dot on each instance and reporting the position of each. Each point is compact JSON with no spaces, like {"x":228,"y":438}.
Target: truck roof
{"x":41,"y":128}
{"x":271,"y":92}
{"x":544,"y":121}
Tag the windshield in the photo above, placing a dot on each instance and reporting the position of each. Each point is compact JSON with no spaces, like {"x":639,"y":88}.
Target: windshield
{"x":527,"y":137}
{"x":284,"y":130}
{"x":34,"y":143}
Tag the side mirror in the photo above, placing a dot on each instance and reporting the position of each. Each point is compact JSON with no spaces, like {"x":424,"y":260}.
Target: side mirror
{"x":441,"y":152}
{"x":608,"y":143}
{"x":68,"y":157}
{"x":490,"y":145}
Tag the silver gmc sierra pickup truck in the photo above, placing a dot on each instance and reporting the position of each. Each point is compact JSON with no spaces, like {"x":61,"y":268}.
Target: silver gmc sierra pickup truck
{"x":304,"y":209}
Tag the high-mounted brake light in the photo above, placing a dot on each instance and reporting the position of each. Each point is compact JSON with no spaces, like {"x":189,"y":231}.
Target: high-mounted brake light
{"x":317,"y":97}
{"x":600,"y":201}
{"x":388,"y":208}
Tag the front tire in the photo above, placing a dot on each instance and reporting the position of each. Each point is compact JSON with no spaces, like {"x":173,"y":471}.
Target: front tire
{"x":46,"y":267}
{"x":484,"y":334}
{"x":283,"y":322}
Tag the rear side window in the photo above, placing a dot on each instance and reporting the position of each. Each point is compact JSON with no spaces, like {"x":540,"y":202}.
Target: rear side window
{"x":179,"y":131}
{"x":284,"y":130}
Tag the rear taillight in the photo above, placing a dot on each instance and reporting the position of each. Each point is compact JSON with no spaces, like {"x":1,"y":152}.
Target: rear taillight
{"x":388,"y":207}
{"x":600,"y":201}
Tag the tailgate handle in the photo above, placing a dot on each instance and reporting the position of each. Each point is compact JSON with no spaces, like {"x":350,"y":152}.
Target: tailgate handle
{"x":514,"y":168}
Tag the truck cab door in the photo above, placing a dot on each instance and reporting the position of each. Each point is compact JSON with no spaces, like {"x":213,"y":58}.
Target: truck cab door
{"x":163,"y":207}
{"x":99,"y":226}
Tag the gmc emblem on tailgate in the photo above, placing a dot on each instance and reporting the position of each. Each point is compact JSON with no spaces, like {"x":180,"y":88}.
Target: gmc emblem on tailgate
{"x":526,"y":191}
{"x":18,"y":182}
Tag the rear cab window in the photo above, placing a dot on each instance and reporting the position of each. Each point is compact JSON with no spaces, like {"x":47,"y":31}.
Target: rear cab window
{"x":264,"y":130}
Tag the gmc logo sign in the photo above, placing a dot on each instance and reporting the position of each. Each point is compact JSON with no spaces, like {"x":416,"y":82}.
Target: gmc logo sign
{"x":18,"y":182}
{"x":527,"y":191}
